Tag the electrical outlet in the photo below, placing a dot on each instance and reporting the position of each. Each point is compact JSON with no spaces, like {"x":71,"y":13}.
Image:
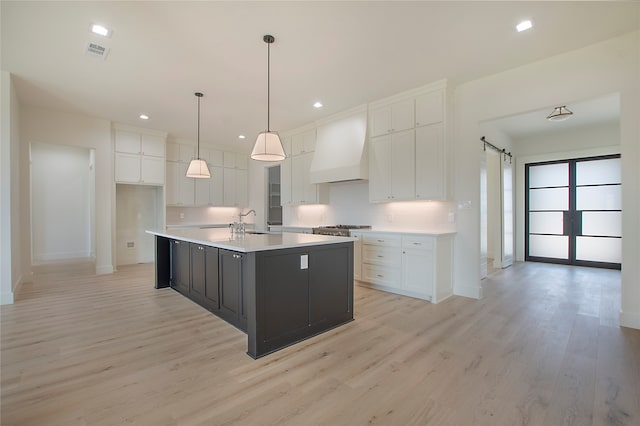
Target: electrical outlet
{"x":452,"y":217}
{"x":131,"y":244}
{"x":181,"y":215}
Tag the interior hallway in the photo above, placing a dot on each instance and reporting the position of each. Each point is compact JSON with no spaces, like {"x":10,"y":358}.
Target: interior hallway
{"x":542,"y":348}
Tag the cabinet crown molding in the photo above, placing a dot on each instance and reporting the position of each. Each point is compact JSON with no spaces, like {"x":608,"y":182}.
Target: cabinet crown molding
{"x":431,"y":87}
{"x":134,"y":129}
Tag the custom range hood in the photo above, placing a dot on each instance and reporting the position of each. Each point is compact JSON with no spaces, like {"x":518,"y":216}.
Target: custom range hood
{"x":341,"y":150}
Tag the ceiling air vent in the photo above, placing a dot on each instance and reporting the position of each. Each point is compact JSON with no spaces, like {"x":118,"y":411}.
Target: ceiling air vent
{"x":96,"y":50}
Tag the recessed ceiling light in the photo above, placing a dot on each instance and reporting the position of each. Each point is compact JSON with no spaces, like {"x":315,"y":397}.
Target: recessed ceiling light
{"x":144,"y":116}
{"x":317,"y":105}
{"x":523,"y":26}
{"x":100,"y":30}
{"x":241,"y":137}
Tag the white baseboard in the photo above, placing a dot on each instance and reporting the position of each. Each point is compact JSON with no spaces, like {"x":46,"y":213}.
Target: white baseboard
{"x":104,"y":269}
{"x":70,"y":255}
{"x":630,"y":320}
{"x":6,"y":298}
{"x":473,"y":292}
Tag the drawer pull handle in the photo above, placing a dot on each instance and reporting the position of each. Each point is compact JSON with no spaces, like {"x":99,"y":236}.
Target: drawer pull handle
{"x":381,"y":241}
{"x":380,"y":256}
{"x":417,"y":244}
{"x":381,"y":276}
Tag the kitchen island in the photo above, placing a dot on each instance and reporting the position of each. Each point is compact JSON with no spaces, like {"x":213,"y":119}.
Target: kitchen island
{"x":278,"y":288}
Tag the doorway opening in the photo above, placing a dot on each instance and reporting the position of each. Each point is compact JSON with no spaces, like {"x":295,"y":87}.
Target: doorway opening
{"x":573,"y":212}
{"x":62,"y":182}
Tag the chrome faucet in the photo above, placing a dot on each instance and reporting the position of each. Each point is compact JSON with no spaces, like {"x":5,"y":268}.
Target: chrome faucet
{"x":241,"y":215}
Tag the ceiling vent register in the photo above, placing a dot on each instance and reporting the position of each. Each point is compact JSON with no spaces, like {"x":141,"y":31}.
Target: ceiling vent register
{"x":97,"y":51}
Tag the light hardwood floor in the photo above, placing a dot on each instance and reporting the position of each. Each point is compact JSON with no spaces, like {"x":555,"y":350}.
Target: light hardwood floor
{"x":542,"y":348}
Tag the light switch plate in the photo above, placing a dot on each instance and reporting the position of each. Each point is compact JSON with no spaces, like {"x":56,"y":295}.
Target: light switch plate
{"x":304,"y":261}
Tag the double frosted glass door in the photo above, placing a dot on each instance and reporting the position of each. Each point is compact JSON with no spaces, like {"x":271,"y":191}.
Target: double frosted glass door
{"x":573,"y":212}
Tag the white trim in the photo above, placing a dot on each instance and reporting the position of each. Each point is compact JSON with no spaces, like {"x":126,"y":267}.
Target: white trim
{"x":104,"y":269}
{"x":431,"y":87}
{"x":630,"y":319}
{"x":6,"y":298}
{"x":47,"y":257}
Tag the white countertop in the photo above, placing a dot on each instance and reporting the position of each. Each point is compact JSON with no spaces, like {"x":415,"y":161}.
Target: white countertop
{"x":433,"y":233}
{"x":248,"y":242}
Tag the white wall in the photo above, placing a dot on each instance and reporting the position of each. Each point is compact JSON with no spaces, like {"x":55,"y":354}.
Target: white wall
{"x":588,"y":141}
{"x":61,"y":179}
{"x":139,"y":208}
{"x":205,"y":215}
{"x":604,"y":68}
{"x":63,"y":128}
{"x":10,"y":247}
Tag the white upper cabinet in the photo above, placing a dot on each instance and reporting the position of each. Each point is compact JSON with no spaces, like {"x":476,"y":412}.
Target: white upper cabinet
{"x":392,"y":167}
{"x":285,"y":182}
{"x":396,"y":117}
{"x":303,"y":143}
{"x":229,"y":160}
{"x":430,"y":160}
{"x":303,"y":192}
{"x":430,"y":108}
{"x":139,"y":158}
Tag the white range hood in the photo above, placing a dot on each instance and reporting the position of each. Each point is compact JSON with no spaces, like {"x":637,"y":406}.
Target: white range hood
{"x":341,"y":150}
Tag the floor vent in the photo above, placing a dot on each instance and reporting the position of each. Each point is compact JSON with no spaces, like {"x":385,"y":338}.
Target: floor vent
{"x":96,"y":50}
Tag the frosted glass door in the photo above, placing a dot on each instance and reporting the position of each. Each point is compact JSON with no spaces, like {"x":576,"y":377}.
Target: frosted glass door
{"x":547,"y":207}
{"x":573,"y":212}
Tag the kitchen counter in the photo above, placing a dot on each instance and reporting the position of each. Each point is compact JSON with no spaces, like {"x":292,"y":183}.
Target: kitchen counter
{"x":249,"y":241}
{"x":278,"y":288}
{"x":433,"y":233}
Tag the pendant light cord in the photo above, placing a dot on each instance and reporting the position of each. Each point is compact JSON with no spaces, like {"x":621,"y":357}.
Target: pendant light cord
{"x":198,"y":95}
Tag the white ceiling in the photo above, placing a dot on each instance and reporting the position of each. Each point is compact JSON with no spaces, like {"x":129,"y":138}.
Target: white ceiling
{"x":341,"y":53}
{"x":590,"y":112}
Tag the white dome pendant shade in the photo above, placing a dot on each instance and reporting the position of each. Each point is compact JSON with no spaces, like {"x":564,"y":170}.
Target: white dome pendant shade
{"x":198,"y":168}
{"x":268,"y":146}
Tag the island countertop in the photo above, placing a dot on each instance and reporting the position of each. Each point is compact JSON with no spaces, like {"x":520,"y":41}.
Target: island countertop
{"x":248,"y":242}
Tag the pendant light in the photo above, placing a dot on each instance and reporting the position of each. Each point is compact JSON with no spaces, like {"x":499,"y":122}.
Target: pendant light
{"x":268,"y":146}
{"x":198,"y":168}
{"x":560,"y":113}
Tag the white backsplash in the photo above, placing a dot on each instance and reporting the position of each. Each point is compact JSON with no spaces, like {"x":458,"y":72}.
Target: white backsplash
{"x":203,"y":215}
{"x":349,"y":205}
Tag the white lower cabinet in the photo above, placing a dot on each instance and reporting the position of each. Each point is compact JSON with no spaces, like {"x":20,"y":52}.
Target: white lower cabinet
{"x":410,"y":264}
{"x":357,"y":255}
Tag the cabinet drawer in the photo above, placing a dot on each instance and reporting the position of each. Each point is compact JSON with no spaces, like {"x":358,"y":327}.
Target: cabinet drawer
{"x":382,"y":275}
{"x":381,"y":240}
{"x":418,"y":243}
{"x":381,"y":255}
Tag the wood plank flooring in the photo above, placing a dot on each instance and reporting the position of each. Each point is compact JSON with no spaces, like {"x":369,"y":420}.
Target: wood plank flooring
{"x":542,"y":348}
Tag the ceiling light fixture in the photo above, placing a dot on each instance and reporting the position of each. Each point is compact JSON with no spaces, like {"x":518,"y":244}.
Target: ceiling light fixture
{"x":100,"y":30}
{"x":317,"y":105}
{"x":268,"y":146}
{"x":560,"y":113}
{"x":241,"y":136}
{"x":198,"y":168}
{"x":144,"y":116}
{"x":523,"y":26}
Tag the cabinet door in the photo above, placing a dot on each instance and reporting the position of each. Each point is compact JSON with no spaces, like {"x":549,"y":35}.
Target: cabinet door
{"x":231,"y":286}
{"x":403,"y":166}
{"x":310,"y":189}
{"x":380,"y":169}
{"x":127,"y":168}
{"x":152,"y":170}
{"x":180,"y":266}
{"x":402,"y":115}
{"x":127,"y":142}
{"x":216,"y":158}
{"x":417,"y":271}
{"x":229,"y":182}
{"x":216,"y":186}
{"x":186,"y":186}
{"x":429,"y":160}
{"x":302,"y":143}
{"x":242,"y":162}
{"x":172,"y":183}
{"x":202,"y":191}
{"x":242,"y":187}
{"x":430,"y":108}
{"x":286,"y":145}
{"x":152,"y":145}
{"x":285,"y":182}
{"x":198,"y":272}
{"x":211,"y":287}
{"x":297,"y":179}
{"x":380,"y":121}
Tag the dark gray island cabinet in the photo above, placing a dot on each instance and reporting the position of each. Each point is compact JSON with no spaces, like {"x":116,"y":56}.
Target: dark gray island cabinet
{"x":278,"y":288}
